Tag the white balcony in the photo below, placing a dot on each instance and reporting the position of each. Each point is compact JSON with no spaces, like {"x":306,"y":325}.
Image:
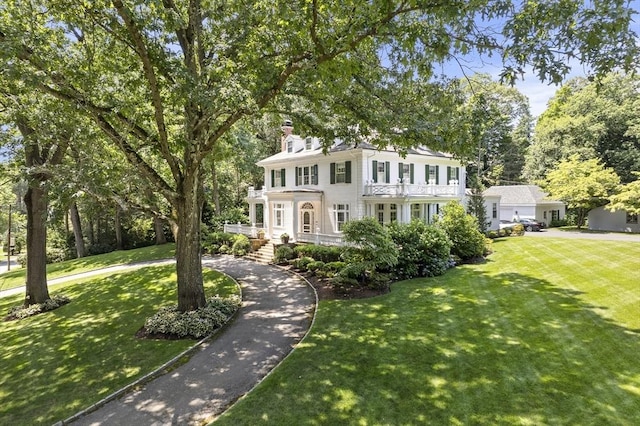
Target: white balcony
{"x":253,"y":193}
{"x":403,"y":189}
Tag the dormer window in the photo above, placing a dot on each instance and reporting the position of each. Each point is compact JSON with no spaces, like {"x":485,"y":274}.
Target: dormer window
{"x":289,"y":146}
{"x":308,"y":143}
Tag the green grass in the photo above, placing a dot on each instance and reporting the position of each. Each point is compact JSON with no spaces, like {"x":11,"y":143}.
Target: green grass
{"x":16,"y":278}
{"x":60,"y":362}
{"x":547,"y":331}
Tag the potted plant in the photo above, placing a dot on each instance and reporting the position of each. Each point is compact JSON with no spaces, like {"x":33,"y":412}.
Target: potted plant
{"x":284,"y":238}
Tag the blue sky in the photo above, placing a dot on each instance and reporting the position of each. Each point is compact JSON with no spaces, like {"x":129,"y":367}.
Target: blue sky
{"x":538,"y":93}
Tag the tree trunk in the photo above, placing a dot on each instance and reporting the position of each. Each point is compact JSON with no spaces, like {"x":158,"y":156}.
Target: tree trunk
{"x":36,"y":203}
{"x":215,"y":189}
{"x":158,"y":226}
{"x":92,"y":237}
{"x":187,"y":211}
{"x":118,"y":226}
{"x":77,"y":229}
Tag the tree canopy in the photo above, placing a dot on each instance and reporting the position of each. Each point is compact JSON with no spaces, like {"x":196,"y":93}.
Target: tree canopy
{"x":164,"y":81}
{"x":594,"y":120}
{"x":582,"y":185}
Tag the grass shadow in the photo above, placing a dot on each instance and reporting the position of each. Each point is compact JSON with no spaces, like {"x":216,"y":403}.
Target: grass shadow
{"x":466,"y":348}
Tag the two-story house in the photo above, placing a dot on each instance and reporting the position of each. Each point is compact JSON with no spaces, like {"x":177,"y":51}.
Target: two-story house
{"x":310,"y":195}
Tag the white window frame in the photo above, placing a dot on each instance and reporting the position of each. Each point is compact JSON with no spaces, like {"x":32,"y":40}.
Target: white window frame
{"x":393,"y":212}
{"x":433,"y":174}
{"x":341,"y":172}
{"x":416,"y":211}
{"x":277,"y":178}
{"x":494,"y":210}
{"x":278,"y":215}
{"x":380,"y":213}
{"x":340,"y":216}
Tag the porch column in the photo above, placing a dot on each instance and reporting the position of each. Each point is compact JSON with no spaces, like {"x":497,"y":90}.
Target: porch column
{"x":252,"y":212}
{"x":296,"y":216}
{"x":266,"y":217}
{"x":406,"y":212}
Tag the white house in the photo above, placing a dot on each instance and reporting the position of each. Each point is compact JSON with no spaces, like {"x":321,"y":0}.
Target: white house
{"x":310,"y":195}
{"x":601,"y":219}
{"x":526,"y":201}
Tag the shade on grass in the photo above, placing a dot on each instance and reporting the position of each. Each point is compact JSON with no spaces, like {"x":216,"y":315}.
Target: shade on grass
{"x":16,"y":277}
{"x":60,"y":362}
{"x":547,"y":331}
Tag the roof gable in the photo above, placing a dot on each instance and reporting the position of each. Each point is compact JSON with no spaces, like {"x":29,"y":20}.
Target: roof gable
{"x":519,"y":194}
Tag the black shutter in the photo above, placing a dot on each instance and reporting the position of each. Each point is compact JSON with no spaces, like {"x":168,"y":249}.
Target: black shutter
{"x":273,"y":178}
{"x":375,"y":171}
{"x":437,"y":175}
{"x":400,"y":171}
{"x":411,"y":174}
{"x":283,"y":181}
{"x":448,"y":175}
{"x":332,"y":171}
{"x":297,"y":177}
{"x":426,"y":173}
{"x":315,"y":175}
{"x":347,"y":172}
{"x":387,"y":172}
{"x":457,"y":173}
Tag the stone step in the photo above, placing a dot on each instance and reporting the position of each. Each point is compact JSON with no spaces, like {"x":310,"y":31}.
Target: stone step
{"x":263,"y":255}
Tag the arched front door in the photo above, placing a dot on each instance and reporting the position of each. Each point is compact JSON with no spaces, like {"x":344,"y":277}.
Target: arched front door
{"x":307,"y":218}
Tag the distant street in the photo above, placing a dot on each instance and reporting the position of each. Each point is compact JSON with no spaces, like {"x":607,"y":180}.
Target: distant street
{"x":612,"y":236}
{"x":3,"y":263}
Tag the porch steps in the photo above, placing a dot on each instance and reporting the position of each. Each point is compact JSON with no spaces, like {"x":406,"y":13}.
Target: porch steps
{"x":264,"y":255}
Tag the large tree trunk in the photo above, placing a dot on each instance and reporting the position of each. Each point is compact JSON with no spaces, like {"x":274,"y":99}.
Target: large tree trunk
{"x":187,"y":211}
{"x":77,"y":229}
{"x":118,"y":226}
{"x":36,"y":203}
{"x":158,"y":227}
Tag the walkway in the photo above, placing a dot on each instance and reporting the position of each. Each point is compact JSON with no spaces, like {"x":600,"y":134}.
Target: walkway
{"x":277,"y":311}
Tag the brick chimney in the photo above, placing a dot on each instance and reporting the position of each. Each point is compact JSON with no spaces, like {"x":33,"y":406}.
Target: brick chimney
{"x":287,"y":129}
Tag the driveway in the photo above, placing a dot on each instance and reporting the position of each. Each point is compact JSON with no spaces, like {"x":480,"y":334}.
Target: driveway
{"x":587,"y":235}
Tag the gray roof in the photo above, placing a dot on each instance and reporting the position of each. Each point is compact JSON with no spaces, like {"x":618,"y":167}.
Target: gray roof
{"x":520,"y":195}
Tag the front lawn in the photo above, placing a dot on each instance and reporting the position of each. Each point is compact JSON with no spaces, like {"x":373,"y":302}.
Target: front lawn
{"x":60,"y":362}
{"x":547,"y":331}
{"x":16,"y":278}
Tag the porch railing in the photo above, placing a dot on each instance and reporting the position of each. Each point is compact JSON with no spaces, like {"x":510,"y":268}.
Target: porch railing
{"x":403,"y":189}
{"x":238,"y":228}
{"x":320,"y":239}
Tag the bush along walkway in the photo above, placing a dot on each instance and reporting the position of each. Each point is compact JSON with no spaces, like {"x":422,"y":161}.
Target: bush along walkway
{"x":277,"y":311}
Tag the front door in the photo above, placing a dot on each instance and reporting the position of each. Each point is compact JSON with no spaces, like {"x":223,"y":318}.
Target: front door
{"x":307,"y":218}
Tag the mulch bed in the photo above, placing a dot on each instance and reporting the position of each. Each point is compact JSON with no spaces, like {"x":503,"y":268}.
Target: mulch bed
{"x":326,"y":291}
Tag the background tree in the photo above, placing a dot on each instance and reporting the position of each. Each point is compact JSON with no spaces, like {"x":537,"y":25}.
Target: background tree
{"x":169,"y":79}
{"x":593,"y":120}
{"x":627,"y":197}
{"x":581,"y":184}
{"x":502,"y":125}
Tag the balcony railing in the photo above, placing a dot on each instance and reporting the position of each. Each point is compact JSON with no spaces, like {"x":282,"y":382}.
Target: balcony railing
{"x":403,"y":189}
{"x":256,"y":193}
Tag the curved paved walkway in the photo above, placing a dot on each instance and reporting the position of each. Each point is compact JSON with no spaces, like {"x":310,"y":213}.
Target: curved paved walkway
{"x":277,"y":310}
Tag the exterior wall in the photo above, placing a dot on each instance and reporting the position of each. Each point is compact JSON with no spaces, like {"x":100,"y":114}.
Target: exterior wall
{"x":508,"y":212}
{"x":324,"y":195}
{"x":601,"y":219}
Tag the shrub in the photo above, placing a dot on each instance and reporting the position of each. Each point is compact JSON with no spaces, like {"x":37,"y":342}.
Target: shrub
{"x":212,"y":241}
{"x":56,"y":255}
{"x":315,"y":266}
{"x":241,"y":245}
{"x":283,"y":254}
{"x":224,"y":249}
{"x":196,"y":324}
{"x":20,"y":312}
{"x":462,"y":229}
{"x":370,"y":249}
{"x":302,"y":263}
{"x":424,"y":249}
{"x":517,"y":230}
{"x":323,"y":253}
